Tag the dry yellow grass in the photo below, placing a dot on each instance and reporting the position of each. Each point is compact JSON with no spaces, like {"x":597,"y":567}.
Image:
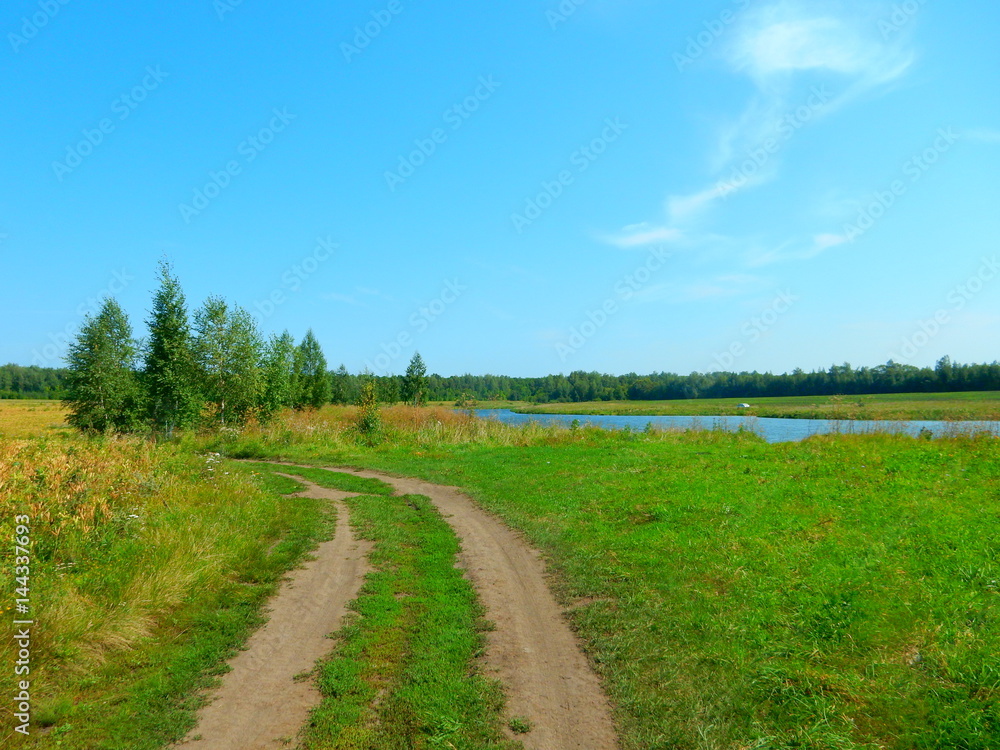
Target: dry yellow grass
{"x":27,"y":418}
{"x":65,"y":484}
{"x":122,"y":531}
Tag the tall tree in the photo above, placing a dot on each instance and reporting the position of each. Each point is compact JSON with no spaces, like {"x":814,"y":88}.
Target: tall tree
{"x":102,"y":391}
{"x":311,"y":382}
{"x":279,"y":367}
{"x":415,"y":381}
{"x":169,"y":374}
{"x":341,"y":386}
{"x":228,"y":352}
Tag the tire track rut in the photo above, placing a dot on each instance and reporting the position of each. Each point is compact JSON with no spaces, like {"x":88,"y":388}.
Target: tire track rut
{"x":532,"y":651}
{"x":260,"y":704}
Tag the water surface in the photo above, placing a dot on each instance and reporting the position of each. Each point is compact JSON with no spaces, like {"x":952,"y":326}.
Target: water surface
{"x":771,"y":429}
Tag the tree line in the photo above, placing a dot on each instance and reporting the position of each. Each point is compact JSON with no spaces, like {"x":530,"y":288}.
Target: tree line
{"x":892,"y":377}
{"x":18,"y":381}
{"x":209,"y":368}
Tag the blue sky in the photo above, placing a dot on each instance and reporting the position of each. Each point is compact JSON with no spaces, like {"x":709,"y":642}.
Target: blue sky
{"x":522,"y":188}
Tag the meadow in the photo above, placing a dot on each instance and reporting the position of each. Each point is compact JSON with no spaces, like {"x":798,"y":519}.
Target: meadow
{"x":836,"y":593}
{"x":26,"y":418}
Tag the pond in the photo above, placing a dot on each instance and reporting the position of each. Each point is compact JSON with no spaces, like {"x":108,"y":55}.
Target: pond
{"x":772,"y":430}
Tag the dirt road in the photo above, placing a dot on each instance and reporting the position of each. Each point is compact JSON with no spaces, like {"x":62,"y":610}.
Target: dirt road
{"x":532,"y":650}
{"x":260,"y":704}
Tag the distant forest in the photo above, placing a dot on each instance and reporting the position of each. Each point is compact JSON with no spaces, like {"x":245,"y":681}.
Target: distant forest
{"x":18,"y":381}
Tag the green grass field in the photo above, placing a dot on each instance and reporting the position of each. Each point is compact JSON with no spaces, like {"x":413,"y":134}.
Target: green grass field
{"x":837,"y":593}
{"x":922,"y":406}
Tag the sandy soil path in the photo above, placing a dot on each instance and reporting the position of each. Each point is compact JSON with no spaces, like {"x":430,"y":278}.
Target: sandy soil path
{"x":260,"y":705}
{"x":532,"y":650}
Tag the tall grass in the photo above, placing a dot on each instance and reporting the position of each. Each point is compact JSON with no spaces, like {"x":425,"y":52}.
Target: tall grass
{"x":148,"y":565}
{"x":334,"y":428}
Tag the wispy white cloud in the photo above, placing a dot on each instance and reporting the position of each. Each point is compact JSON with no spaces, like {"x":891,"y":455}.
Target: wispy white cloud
{"x":825,"y":241}
{"x":796,"y":249}
{"x":681,"y":211}
{"x":982,"y":136}
{"x":640,"y":235}
{"x":369,"y":292}
{"x":786,"y":47}
{"x":342,"y":298}
{"x":786,"y":38}
{"x":682,"y":208}
{"x":806,"y":60}
{"x":718,"y":287}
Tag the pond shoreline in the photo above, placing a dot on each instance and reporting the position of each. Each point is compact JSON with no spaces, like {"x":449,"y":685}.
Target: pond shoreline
{"x":773,"y":430}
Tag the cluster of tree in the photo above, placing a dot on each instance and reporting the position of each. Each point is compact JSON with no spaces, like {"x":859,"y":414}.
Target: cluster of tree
{"x":17,"y":381}
{"x":891,"y":377}
{"x":410,"y":388}
{"x":213,"y":367}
